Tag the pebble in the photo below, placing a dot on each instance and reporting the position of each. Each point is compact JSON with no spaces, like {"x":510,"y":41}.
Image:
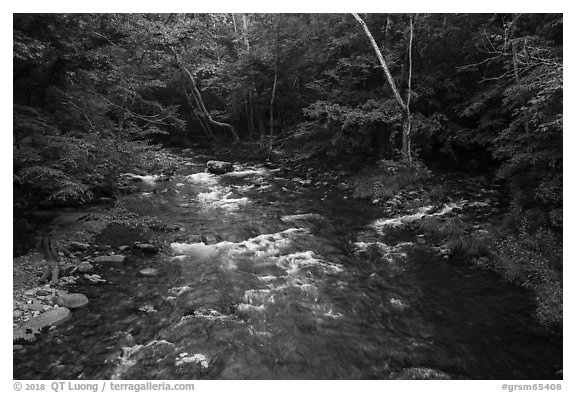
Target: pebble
{"x":17,"y":314}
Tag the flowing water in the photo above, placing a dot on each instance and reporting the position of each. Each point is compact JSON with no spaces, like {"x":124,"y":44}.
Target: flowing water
{"x":288,"y":282}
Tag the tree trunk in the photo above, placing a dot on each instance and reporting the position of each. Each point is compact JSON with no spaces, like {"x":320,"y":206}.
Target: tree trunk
{"x":122,"y":115}
{"x":260,"y":123}
{"x":251,"y":110}
{"x":205,"y":126}
{"x":275,"y":81}
{"x":198,"y":96}
{"x":514,"y":45}
{"x":245,"y":31}
{"x":407,"y":127}
{"x":272,"y":107}
{"x":247,"y":108}
{"x":407,"y":118}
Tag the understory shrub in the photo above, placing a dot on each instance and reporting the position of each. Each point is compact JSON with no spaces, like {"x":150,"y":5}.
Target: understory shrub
{"x":388,"y":178}
{"x":534,"y":260}
{"x":456,"y":235}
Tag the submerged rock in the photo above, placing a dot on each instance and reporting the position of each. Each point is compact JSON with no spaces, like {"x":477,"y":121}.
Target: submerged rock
{"x":210,"y":238}
{"x":149,"y":272}
{"x":77,"y":246}
{"x":219,"y":167}
{"x":110,"y":258}
{"x":72,"y":300}
{"x":30,"y":328}
{"x":103,"y":247}
{"x":146,"y":248}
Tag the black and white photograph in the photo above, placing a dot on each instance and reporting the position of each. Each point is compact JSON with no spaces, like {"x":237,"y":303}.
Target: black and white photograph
{"x":287,"y":196}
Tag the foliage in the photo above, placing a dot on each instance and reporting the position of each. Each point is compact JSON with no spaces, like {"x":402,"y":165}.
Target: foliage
{"x":388,"y":178}
{"x":442,"y":229}
{"x":534,"y":261}
{"x":457,"y":235}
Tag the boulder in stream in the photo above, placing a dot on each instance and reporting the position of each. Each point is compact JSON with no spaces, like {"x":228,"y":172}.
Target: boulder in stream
{"x":34,"y":325}
{"x":72,"y":300}
{"x":209,"y":238}
{"x":146,"y":248}
{"x":219,"y":167}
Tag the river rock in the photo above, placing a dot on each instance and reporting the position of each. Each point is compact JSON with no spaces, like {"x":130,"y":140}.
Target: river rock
{"x":209,"y":238}
{"x":149,"y":272}
{"x":34,"y":325}
{"x":77,"y":246}
{"x":110,"y":258}
{"x":146,"y":248}
{"x":85,"y":267}
{"x":72,"y":300}
{"x":219,"y":167}
{"x":17,"y":314}
{"x":94,"y":278}
{"x":67,"y":268}
{"x":36,"y":307}
{"x":30,"y":292}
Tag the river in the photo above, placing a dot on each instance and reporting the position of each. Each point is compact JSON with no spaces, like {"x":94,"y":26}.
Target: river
{"x":273,"y":278}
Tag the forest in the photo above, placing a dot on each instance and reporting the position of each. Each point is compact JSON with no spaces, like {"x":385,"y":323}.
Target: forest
{"x":444,"y":128}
